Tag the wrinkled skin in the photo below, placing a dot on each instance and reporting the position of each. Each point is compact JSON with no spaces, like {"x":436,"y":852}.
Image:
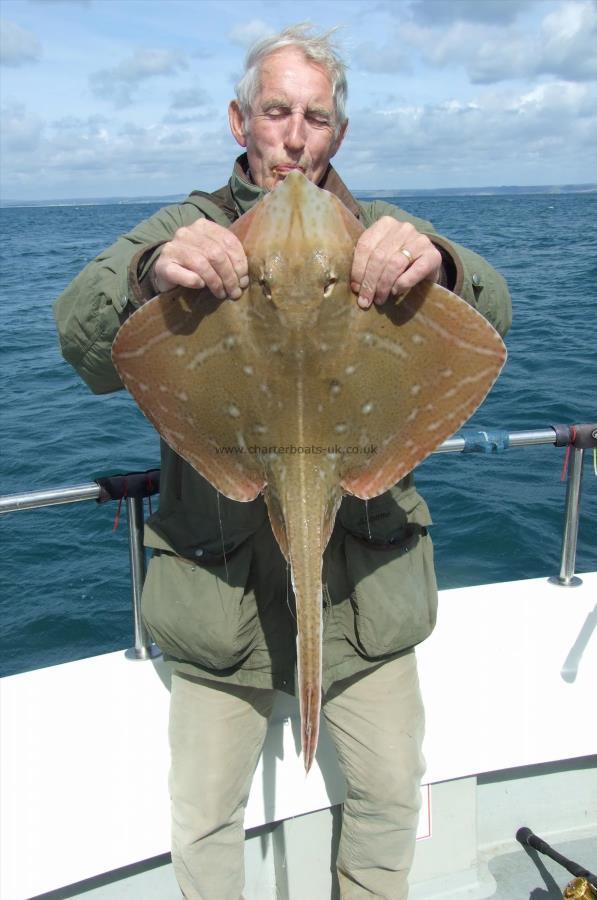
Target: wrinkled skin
{"x":292,"y":127}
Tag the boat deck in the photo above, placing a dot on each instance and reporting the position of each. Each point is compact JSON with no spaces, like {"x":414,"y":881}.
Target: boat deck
{"x":510,"y":740}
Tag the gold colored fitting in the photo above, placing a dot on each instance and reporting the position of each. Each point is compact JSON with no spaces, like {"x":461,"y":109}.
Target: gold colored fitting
{"x":579,"y":889}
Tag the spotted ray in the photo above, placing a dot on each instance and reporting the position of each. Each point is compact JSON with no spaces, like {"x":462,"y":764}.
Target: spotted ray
{"x":287,"y":390}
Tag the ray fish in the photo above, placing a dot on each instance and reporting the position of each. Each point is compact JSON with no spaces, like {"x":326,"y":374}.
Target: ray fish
{"x":295,"y":392}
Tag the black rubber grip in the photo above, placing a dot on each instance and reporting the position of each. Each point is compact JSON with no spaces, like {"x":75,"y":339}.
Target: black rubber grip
{"x":526,"y":837}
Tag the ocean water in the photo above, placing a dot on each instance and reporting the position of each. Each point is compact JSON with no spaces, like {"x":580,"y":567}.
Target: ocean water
{"x":64,"y":584}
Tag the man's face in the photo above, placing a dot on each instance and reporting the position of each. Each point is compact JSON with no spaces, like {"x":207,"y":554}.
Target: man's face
{"x":291,"y":124}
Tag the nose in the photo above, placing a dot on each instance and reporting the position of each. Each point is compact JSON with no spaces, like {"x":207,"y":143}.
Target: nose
{"x":296,"y":136}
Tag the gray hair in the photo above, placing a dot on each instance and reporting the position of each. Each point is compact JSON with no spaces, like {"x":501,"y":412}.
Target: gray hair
{"x":317,"y":48}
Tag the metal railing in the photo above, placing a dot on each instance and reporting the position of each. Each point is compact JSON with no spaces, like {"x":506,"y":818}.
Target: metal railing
{"x":575,"y":438}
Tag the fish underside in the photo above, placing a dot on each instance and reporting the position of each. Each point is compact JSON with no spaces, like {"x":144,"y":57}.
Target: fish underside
{"x":295,"y":392}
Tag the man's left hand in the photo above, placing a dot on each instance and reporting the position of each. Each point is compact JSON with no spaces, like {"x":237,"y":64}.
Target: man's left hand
{"x":391,"y":257}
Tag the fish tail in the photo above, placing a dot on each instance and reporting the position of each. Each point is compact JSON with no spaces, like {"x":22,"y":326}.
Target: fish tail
{"x":310,"y":703}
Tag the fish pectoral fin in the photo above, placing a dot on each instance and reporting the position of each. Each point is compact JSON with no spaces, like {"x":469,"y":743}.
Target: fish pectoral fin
{"x":276,"y":518}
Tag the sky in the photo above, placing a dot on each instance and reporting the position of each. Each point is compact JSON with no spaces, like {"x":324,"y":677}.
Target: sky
{"x":104,"y":98}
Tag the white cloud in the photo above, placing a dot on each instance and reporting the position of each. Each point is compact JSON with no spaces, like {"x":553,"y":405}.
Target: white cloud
{"x":435,"y":12}
{"x":155,"y":159}
{"x":247,"y":33}
{"x":17,"y":45}
{"x":550,"y":128}
{"x":118,"y":83}
{"x":372,"y":57}
{"x":564,"y":44}
{"x":20,"y":130}
{"x":189,"y":98}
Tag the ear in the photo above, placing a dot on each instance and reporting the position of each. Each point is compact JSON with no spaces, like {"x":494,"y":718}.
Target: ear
{"x":237,"y":123}
{"x":338,"y":141}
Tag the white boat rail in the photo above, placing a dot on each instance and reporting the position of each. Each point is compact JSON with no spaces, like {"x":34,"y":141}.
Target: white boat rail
{"x":577,"y":439}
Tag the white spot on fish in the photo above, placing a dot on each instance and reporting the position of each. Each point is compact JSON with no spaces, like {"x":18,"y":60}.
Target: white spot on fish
{"x":417,"y":339}
{"x":332,"y":456}
{"x":413,"y":415}
{"x":230,"y":342}
{"x":341,"y":428}
{"x":350,"y":370}
{"x":320,"y":407}
{"x":163,"y":389}
{"x":260,"y":429}
{"x":182,"y":395}
{"x":335,"y":388}
{"x":447,"y":373}
{"x":233,"y":410}
{"x":248,"y":370}
{"x":323,"y":347}
{"x":366,"y":408}
{"x":180,"y":351}
{"x":415,"y":389}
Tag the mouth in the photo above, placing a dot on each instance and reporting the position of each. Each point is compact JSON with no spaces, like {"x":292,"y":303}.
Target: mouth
{"x":284,"y":169}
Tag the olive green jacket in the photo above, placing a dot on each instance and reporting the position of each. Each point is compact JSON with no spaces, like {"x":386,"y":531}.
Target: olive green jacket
{"x":217,"y":596}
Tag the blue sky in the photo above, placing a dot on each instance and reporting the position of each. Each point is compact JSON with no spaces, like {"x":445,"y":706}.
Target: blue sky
{"x":128,"y":97}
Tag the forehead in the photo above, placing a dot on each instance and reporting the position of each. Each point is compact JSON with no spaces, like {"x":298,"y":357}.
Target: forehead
{"x":288,"y":74}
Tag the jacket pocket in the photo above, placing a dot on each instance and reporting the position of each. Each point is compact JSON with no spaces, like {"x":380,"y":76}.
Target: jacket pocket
{"x":394,"y":592}
{"x":199,"y":613}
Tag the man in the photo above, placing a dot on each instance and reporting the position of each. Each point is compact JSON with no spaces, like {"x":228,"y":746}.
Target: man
{"x":226,"y":623}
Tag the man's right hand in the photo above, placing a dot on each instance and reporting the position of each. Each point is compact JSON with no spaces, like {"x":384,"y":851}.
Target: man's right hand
{"x":202,"y":255}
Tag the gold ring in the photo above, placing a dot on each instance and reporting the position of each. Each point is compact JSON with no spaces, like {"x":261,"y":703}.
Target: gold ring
{"x":406,"y":253}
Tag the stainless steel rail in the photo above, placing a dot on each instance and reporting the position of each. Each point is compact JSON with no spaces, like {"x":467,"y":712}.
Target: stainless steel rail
{"x":515,"y":439}
{"x":145,"y":649}
{"x":567,"y":578}
{"x":51,"y":497}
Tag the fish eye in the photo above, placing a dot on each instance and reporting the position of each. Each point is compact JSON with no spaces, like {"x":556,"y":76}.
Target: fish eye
{"x":267,"y":291}
{"x":329,"y":286}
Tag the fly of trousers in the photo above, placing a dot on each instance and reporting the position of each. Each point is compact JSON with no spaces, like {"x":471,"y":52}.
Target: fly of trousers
{"x":216,"y":736}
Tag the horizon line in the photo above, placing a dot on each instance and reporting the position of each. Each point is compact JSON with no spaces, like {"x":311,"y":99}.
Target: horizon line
{"x":572,"y":187}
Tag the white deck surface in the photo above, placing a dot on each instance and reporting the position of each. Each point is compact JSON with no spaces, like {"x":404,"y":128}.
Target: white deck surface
{"x":507,"y":677}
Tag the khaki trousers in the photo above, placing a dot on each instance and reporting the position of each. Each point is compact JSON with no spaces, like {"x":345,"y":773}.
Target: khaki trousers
{"x":217,"y":733}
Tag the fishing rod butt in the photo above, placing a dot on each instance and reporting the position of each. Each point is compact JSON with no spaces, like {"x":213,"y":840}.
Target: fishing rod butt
{"x":527,"y":838}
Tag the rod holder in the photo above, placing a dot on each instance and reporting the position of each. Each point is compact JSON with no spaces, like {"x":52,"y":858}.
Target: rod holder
{"x":567,"y":578}
{"x":144,"y":647}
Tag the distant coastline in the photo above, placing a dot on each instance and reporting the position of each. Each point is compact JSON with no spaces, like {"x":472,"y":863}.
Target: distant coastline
{"x":500,"y":190}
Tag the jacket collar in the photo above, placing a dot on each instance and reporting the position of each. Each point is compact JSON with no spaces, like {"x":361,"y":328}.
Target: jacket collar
{"x":246,"y":194}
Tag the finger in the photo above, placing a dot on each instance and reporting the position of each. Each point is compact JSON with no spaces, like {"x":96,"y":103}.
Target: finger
{"x":188,"y":258}
{"x":178,"y":275}
{"x":374,"y":267}
{"x":426,"y":266}
{"x":220,"y":262}
{"x":375,"y":249}
{"x":419,"y":271}
{"x":203,"y":228}
{"x":397,"y":263}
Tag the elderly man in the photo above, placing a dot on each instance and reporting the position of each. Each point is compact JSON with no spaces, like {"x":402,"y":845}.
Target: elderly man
{"x":226,"y":624}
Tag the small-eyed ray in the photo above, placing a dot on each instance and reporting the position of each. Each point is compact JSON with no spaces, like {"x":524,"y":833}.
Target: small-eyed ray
{"x":296,"y":392}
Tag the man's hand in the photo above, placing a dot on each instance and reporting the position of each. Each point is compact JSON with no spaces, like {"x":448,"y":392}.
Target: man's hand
{"x":203,"y":255}
{"x":390,"y":257}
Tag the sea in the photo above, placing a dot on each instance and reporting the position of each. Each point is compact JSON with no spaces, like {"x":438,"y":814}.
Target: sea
{"x":64,"y":571}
